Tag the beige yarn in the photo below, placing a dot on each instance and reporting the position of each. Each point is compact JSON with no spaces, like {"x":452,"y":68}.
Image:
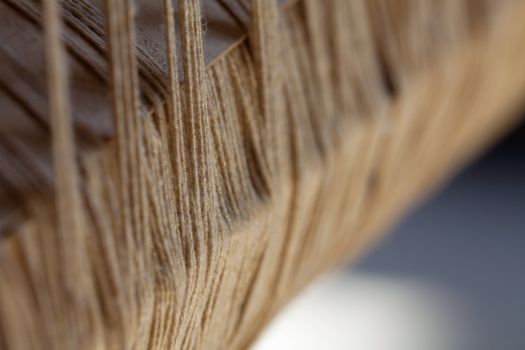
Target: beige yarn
{"x":228,"y":187}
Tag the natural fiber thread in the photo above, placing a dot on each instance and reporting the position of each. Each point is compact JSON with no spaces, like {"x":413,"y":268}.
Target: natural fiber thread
{"x":66,"y":252}
{"x":218,"y":199}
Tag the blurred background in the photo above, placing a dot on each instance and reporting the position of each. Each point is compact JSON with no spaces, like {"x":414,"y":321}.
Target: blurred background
{"x":451,"y":275}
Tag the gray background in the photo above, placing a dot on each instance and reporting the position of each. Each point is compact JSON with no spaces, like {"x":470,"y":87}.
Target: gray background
{"x":470,"y":238}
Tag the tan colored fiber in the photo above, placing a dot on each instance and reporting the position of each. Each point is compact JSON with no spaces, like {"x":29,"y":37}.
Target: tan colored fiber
{"x":187,"y":203}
